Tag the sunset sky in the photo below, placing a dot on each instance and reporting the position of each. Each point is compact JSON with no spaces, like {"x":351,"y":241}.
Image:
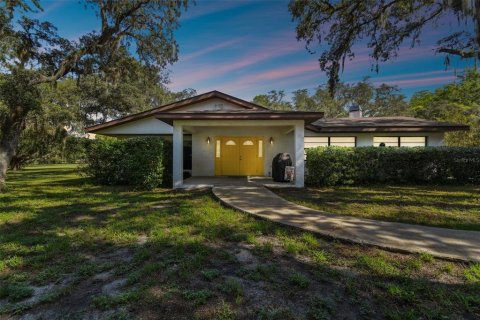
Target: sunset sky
{"x":246,"y":48}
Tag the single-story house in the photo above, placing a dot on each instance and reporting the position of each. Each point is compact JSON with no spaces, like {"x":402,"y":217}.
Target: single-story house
{"x":215,"y":134}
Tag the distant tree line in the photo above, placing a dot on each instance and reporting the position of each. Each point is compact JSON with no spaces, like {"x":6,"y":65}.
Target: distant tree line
{"x":383,"y":100}
{"x":55,"y":132}
{"x":458,"y":102}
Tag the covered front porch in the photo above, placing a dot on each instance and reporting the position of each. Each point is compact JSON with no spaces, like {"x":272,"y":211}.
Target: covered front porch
{"x":215,"y":159}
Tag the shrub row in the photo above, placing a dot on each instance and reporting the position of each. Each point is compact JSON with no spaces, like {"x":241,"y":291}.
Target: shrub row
{"x":328,"y":166}
{"x":140,"y":162}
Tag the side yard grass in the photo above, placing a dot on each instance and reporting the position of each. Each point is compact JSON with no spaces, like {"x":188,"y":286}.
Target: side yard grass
{"x":456,"y":207}
{"x":70,"y":249}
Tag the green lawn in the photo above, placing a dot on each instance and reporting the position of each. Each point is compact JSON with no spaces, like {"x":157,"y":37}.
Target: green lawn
{"x":72,"y":250}
{"x":456,"y":207}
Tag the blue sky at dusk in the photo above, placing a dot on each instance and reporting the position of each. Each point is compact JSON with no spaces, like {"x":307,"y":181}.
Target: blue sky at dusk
{"x":246,"y":48}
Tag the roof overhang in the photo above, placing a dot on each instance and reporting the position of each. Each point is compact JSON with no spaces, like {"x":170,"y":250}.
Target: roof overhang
{"x":390,"y":129}
{"x":171,"y":107}
{"x":385,"y":124}
{"x":354,"y":129}
{"x":308,"y":117}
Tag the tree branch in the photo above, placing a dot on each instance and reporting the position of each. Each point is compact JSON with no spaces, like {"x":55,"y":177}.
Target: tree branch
{"x":458,"y":52}
{"x":109,"y":34}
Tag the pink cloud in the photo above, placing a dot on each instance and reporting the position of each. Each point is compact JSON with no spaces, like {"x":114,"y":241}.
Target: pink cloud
{"x":419,"y":82}
{"x":261,"y":87}
{"x":413,"y":75}
{"x":205,"y":8}
{"x":404,"y":53}
{"x":269,"y":50}
{"x":279,"y":75}
{"x":286,"y":71}
{"x":209,"y":49}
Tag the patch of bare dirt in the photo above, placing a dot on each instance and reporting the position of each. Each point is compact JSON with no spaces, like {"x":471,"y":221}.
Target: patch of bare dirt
{"x":77,"y":300}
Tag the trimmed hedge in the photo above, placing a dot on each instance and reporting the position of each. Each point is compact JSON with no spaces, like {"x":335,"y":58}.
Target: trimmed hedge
{"x":329,"y":166}
{"x":140,"y":162}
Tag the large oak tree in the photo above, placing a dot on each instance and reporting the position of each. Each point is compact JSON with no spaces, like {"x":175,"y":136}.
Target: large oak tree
{"x":32,"y":53}
{"x":456,"y":102}
{"x":385,"y":25}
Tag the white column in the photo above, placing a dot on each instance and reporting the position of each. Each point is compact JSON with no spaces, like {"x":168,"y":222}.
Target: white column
{"x":299,"y":140}
{"x":177,"y":171}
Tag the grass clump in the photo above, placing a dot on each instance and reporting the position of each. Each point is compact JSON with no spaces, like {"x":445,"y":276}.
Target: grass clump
{"x":319,"y":309}
{"x":401,"y":293}
{"x":309,"y":239}
{"x":294,"y":246}
{"x":298,"y":280}
{"x":275,"y":314}
{"x":426,"y":257}
{"x":233,"y":288}
{"x":106,"y":302}
{"x":448,"y":268}
{"x":15,"y":292}
{"x":198,"y":297}
{"x":264,"y":247}
{"x":141,"y":255}
{"x":262,"y":272}
{"x":224,"y":312}
{"x":211,"y":274}
{"x":11,"y":262}
{"x":377,"y":265}
{"x":320,"y":257}
{"x":472,"y":274}
{"x":402,"y":315}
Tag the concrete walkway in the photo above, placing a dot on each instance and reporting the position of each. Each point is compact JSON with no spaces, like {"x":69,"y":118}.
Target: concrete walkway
{"x":445,"y":243}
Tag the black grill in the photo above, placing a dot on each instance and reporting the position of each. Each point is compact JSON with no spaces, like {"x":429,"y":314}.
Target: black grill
{"x":280,"y":161}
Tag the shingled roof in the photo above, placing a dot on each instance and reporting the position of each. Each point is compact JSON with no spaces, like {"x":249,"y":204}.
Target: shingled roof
{"x":176,"y":105}
{"x":383,"y":124}
{"x":314,"y":120}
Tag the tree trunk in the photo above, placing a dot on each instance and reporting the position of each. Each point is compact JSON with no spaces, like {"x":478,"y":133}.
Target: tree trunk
{"x":10,"y":137}
{"x":477,"y":24}
{"x":3,"y":167}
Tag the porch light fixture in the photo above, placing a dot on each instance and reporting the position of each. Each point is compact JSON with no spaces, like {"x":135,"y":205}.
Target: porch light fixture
{"x":208,"y":140}
{"x":271,"y":140}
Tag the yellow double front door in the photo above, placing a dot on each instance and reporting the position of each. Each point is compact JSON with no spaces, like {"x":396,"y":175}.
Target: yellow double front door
{"x":239,"y":156}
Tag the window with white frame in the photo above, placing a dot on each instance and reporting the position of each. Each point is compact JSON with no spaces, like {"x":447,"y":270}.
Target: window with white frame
{"x":400,"y":141}
{"x":385,"y":141}
{"x":342,"y":141}
{"x":413,"y":141}
{"x":313,"y":142}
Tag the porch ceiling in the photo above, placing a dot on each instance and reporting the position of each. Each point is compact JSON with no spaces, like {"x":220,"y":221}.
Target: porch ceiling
{"x":188,"y":129}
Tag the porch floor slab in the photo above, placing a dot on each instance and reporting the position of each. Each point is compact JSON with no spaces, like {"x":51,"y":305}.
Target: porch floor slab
{"x":210,"y":182}
{"x":444,"y":243}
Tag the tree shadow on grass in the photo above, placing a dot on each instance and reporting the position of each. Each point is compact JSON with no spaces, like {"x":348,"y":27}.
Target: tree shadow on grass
{"x":172,"y":266}
{"x":190,"y":234}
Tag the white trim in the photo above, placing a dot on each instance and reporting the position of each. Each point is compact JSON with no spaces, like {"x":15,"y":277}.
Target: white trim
{"x":238,"y":123}
{"x":177,"y":170}
{"x":299,"y":141}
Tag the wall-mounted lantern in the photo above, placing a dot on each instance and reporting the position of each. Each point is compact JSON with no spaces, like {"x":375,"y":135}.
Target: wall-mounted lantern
{"x":208,"y":140}
{"x":271,"y":140}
